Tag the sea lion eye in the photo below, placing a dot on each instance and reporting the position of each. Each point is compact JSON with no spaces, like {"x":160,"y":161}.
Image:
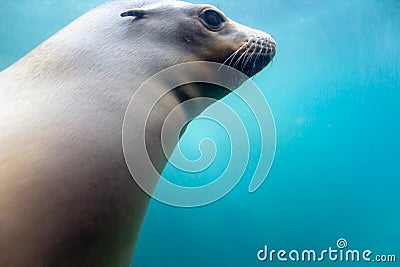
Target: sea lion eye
{"x":212,"y":19}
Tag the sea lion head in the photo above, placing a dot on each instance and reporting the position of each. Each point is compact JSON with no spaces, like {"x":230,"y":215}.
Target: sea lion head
{"x":200,"y":32}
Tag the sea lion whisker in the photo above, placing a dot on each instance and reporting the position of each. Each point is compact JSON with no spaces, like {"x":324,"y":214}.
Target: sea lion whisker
{"x":233,"y":55}
{"x":238,"y":60}
{"x":250,"y":57}
{"x":260,"y":52}
{"x":253,"y":41}
{"x":243,"y":56}
{"x":237,"y":51}
{"x":263,"y":45}
{"x":246,"y":56}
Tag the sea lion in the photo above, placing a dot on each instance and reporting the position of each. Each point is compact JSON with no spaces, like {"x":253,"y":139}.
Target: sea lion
{"x":66,"y":195}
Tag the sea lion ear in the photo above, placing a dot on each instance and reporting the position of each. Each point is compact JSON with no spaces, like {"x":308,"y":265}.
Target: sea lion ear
{"x":137,"y":13}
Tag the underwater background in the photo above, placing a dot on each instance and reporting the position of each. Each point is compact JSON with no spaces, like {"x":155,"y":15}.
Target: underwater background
{"x":334,"y":90}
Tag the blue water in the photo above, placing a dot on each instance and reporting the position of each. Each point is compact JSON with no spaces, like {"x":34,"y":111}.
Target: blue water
{"x":334,"y":90}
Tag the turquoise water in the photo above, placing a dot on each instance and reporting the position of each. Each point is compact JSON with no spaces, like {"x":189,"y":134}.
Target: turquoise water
{"x":334,"y":90}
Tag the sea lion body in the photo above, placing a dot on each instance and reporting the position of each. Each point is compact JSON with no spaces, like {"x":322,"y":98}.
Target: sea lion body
{"x":66,"y":194}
